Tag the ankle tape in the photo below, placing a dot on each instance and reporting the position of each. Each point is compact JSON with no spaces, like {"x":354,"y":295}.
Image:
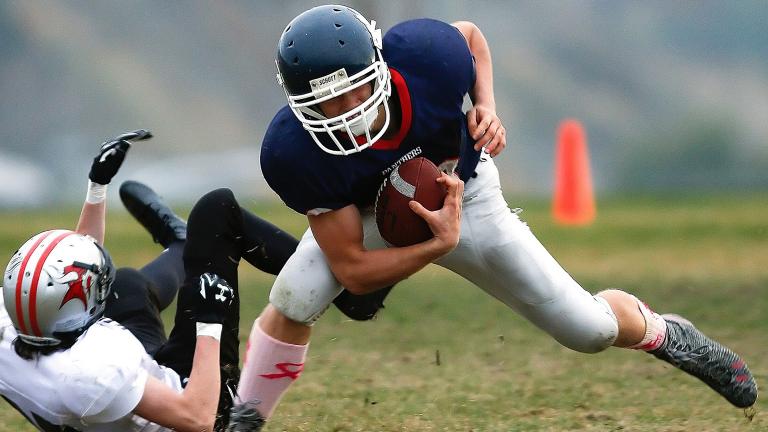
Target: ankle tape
{"x":655,"y":329}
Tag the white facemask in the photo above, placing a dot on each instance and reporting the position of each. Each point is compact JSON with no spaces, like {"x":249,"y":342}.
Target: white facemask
{"x":364,"y":122}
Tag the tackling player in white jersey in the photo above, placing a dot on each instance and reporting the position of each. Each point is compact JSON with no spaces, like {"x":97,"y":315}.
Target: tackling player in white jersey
{"x":82,"y":346}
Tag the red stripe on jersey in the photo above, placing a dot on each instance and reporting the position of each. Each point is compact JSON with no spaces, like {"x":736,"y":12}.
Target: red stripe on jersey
{"x":407,"y":114}
{"x":20,"y":280}
{"x":36,"y":278}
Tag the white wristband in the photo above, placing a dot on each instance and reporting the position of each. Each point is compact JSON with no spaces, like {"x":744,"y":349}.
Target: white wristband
{"x":97,"y":193}
{"x":208,"y":329}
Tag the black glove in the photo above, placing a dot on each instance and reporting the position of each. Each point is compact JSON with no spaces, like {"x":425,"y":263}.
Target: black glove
{"x":112,"y":155}
{"x":213,"y":300}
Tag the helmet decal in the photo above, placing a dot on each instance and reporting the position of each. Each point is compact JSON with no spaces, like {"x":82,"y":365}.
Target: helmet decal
{"x":76,"y":289}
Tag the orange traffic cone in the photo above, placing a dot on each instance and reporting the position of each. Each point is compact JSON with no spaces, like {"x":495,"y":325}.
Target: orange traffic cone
{"x":574,"y":200}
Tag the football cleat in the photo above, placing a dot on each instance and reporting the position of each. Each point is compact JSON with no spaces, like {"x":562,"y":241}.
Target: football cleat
{"x":243,"y":417}
{"x":724,"y":371}
{"x":152,"y":213}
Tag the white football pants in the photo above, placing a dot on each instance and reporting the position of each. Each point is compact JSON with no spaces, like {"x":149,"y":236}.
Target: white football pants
{"x":497,"y":252}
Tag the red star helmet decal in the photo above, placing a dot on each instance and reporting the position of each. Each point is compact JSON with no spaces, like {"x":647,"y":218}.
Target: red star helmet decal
{"x":76,"y":289}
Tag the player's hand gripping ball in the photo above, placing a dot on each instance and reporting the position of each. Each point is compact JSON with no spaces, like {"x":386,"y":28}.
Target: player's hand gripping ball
{"x":411,"y":180}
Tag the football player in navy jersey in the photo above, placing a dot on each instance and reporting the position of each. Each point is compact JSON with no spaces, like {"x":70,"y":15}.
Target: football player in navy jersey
{"x":359,"y":105}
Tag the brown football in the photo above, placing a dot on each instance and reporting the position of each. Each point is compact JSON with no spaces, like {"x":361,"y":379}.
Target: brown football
{"x":411,"y":180}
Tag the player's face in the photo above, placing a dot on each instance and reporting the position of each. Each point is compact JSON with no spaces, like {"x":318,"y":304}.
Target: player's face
{"x":349,"y":101}
{"x":346,"y":102}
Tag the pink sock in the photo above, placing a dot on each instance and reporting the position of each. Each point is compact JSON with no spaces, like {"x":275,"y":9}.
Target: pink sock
{"x":655,"y":329}
{"x":270,"y":366}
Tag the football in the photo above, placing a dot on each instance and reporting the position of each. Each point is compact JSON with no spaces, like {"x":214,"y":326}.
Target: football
{"x":411,"y":180}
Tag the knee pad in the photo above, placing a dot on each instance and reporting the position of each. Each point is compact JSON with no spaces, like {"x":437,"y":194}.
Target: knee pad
{"x":593,"y":330}
{"x":305,"y":287}
{"x":600,"y":329}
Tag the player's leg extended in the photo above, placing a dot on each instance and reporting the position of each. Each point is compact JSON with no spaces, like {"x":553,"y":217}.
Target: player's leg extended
{"x":500,"y":254}
{"x":302,"y":291}
{"x":677,"y":341}
{"x":166,"y":272}
{"x":215,"y":224}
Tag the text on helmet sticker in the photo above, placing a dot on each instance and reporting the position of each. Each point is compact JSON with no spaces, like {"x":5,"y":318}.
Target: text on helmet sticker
{"x":322,"y":86}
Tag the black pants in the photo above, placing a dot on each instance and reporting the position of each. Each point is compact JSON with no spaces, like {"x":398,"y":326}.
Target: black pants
{"x":214,"y":244}
{"x":219,"y":233}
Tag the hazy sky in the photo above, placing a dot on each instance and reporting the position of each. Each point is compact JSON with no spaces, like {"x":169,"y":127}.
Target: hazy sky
{"x":675,"y":90}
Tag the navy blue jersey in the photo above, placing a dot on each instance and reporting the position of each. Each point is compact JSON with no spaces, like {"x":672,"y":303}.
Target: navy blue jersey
{"x":432,"y":70}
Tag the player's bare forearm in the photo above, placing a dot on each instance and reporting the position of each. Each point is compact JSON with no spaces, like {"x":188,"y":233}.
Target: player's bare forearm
{"x":484,"y":124}
{"x":482,"y":92}
{"x":204,"y":379}
{"x":339,"y":234}
{"x":105,"y":166}
{"x":194,"y":409}
{"x":92,"y":221}
{"x":379,"y":268}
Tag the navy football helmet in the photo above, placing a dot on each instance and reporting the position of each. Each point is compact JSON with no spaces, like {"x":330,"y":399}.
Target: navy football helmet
{"x":323,"y":53}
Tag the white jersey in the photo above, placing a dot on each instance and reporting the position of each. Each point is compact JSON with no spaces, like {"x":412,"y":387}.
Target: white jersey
{"x":93,"y":386}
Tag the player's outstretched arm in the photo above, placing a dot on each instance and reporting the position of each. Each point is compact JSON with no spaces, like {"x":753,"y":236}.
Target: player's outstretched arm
{"x":484,"y":125}
{"x":339,"y":234}
{"x":194,"y":409}
{"x":105,"y":165}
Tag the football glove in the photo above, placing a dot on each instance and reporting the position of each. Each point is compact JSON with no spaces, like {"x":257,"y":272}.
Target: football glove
{"x":112,"y":154}
{"x":214,"y":298}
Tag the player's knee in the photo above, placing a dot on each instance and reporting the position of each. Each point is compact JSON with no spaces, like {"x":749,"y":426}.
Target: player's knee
{"x":212,"y":212}
{"x":305,"y":287}
{"x":305,"y":296}
{"x":295,"y":307}
{"x":222,"y":197}
{"x":590,"y":343}
{"x":594,"y":331}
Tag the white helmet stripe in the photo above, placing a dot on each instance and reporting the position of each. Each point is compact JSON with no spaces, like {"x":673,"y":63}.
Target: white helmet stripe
{"x":36,"y":278}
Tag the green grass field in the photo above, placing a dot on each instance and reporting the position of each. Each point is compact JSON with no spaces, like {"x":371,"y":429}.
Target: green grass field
{"x":705,"y":257}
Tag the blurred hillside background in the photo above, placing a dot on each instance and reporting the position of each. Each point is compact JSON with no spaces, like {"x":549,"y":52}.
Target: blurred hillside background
{"x":673,"y":95}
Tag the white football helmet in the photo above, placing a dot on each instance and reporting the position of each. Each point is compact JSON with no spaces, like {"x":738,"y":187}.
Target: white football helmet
{"x":323,"y":53}
{"x":55,"y":285}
